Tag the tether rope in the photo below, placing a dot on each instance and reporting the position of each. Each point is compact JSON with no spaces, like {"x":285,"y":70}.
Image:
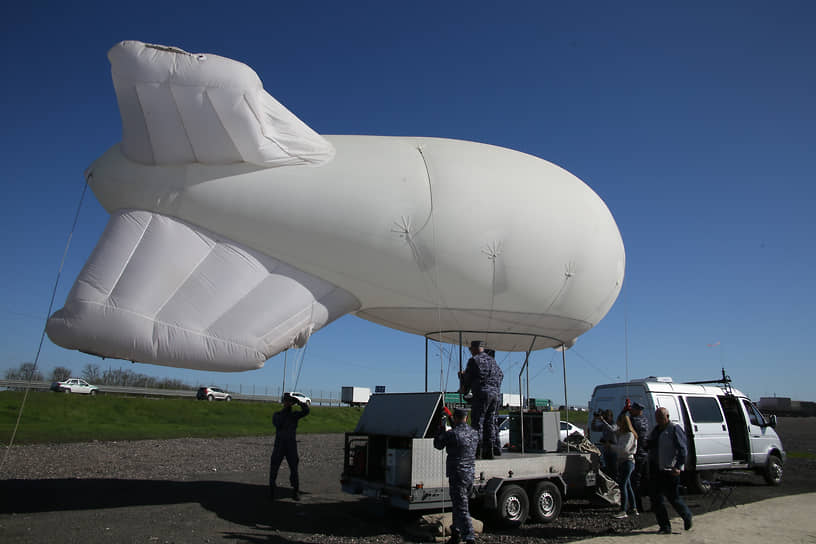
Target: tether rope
{"x":42,"y":336}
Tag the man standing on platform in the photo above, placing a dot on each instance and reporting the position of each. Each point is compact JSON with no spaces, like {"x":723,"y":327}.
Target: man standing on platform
{"x":483,"y":377}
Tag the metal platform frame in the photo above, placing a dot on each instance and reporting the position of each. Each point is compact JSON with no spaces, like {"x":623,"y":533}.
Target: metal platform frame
{"x":524,"y":368}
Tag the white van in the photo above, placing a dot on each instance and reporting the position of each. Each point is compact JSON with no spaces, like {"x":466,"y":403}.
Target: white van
{"x":725,"y":430}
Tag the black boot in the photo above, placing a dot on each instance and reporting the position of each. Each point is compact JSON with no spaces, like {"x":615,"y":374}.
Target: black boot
{"x":454,"y":539}
{"x":271,"y":492}
{"x":296,"y":494}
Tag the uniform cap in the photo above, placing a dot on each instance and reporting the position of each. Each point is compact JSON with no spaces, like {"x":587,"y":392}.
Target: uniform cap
{"x":637,"y":405}
{"x":476,"y":344}
{"x":460,"y":412}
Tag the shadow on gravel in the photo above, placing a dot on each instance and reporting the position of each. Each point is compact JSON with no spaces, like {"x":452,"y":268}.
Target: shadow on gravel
{"x":241,"y":503}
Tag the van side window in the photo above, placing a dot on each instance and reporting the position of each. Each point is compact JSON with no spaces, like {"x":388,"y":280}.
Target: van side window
{"x":753,"y":414}
{"x":704,"y":409}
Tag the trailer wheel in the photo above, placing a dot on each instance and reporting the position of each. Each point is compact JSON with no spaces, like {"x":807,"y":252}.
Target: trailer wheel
{"x":513,"y":506}
{"x":546,"y":505}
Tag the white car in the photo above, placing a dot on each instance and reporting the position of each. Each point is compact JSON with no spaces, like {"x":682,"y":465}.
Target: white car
{"x":300,"y":397}
{"x":74,"y":385}
{"x":503,"y":423}
{"x":212,"y":393}
{"x":568,"y":428}
{"x":503,"y":428}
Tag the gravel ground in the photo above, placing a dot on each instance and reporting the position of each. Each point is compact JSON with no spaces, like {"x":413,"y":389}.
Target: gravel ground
{"x":210,"y":490}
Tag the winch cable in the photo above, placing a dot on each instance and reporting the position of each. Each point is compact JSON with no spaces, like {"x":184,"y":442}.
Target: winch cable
{"x":42,"y":336}
{"x":300,"y":365}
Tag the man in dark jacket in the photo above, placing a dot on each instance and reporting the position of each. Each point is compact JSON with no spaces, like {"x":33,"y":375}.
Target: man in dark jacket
{"x":286,"y":421}
{"x":605,"y":422}
{"x":667,"y":458}
{"x":483,"y":377}
{"x":460,"y":443}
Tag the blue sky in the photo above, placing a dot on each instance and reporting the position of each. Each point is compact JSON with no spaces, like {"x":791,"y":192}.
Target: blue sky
{"x":694,"y":121}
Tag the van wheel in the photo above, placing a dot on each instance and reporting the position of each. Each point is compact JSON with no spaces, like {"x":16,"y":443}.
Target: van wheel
{"x":546,"y":502}
{"x":773,"y":472}
{"x":700,"y":482}
{"x":513,"y":506}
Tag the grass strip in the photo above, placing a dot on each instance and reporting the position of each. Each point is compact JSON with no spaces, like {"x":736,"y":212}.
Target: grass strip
{"x":53,"y":417}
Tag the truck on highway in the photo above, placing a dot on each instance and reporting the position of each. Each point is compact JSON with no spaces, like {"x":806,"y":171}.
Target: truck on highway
{"x":390,"y":456}
{"x":354,"y":396}
{"x":510,"y":400}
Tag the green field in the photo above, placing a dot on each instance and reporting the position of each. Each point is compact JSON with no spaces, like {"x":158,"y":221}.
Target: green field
{"x":51,"y":417}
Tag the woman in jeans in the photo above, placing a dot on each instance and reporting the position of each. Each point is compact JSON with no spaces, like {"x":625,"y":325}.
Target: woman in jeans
{"x":625,"y":449}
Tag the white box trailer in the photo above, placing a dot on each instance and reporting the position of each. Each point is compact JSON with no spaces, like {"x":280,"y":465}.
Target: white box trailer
{"x":510,"y":400}
{"x":354,"y":396}
{"x":390,"y":456}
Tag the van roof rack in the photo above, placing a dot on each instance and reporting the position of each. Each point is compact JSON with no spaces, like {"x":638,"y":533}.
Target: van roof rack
{"x":725,"y":381}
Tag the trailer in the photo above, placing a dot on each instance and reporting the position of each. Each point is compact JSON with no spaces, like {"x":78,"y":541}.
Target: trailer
{"x":510,"y":400}
{"x":390,"y":456}
{"x":354,"y":396}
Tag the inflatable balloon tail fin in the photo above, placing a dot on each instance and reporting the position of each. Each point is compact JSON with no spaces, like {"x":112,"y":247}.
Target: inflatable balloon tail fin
{"x":178,"y":108}
{"x":159,"y":290}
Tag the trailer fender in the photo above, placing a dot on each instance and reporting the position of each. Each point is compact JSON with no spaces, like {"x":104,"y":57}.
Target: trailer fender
{"x":491,"y":500}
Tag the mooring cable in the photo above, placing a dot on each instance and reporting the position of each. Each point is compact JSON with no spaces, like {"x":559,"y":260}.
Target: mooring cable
{"x":42,"y":336}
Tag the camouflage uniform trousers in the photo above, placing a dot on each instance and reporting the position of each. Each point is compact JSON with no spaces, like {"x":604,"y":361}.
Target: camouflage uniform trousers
{"x":461,"y":483}
{"x":640,"y":479}
{"x":483,"y":418}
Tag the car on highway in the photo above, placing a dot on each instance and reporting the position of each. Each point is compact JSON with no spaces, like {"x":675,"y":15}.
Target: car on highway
{"x":300,"y":397}
{"x":567,"y":429}
{"x":503,"y":428}
{"x":212,"y":393}
{"x":74,"y":385}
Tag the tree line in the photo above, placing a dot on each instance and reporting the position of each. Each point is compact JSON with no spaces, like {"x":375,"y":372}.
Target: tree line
{"x":94,"y":374}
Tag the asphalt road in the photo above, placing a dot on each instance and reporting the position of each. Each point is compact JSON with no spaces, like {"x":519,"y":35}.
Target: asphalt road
{"x":196,"y":490}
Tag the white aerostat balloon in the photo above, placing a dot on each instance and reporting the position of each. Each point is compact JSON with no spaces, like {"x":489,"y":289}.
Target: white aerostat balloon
{"x":236,"y":231}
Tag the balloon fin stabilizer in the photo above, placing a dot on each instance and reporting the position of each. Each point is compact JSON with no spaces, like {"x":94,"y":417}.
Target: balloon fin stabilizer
{"x":159,"y":290}
{"x":179,"y":107}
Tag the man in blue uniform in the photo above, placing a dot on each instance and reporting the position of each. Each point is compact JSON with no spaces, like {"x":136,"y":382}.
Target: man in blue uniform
{"x":667,"y":456}
{"x":640,"y":476}
{"x":483,"y":377}
{"x":286,"y":421}
{"x":460,"y":443}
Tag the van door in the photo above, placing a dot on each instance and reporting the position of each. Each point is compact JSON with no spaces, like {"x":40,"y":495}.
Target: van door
{"x":712,"y":444}
{"x":761,"y":436}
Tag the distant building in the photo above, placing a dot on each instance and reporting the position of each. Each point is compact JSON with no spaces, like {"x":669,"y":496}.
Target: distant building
{"x":784,"y":406}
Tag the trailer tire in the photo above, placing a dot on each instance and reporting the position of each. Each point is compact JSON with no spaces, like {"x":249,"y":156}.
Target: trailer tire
{"x":546,"y":503}
{"x":513,"y":506}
